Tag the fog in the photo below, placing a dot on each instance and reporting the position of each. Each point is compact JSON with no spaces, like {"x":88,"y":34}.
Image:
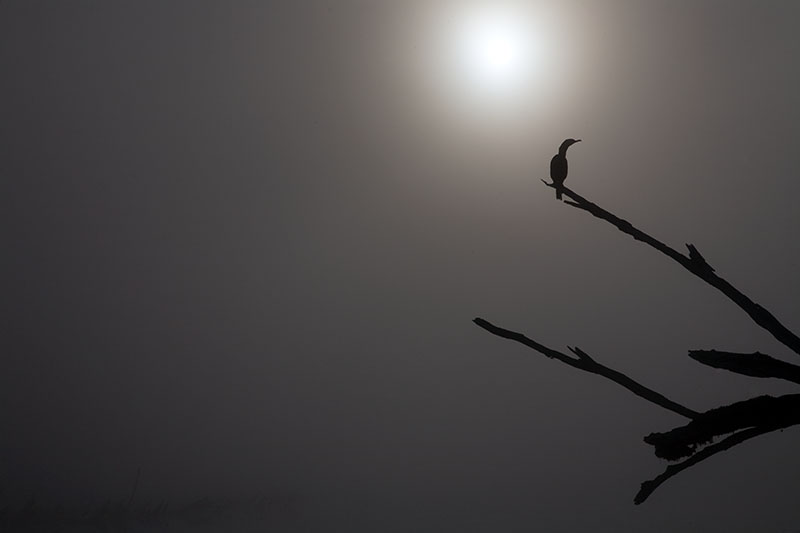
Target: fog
{"x":245,"y":242}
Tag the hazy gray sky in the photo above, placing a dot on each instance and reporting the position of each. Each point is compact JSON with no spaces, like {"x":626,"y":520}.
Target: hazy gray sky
{"x":244,"y":242}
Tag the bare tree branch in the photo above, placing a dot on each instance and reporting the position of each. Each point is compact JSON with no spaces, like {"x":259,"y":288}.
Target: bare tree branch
{"x":761,"y":411}
{"x":648,"y":487}
{"x":741,"y":420}
{"x":755,"y":364}
{"x":587,"y":364}
{"x":694,"y":263}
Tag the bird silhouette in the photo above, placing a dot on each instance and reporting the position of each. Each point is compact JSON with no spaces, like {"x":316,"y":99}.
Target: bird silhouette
{"x":558,"y":166}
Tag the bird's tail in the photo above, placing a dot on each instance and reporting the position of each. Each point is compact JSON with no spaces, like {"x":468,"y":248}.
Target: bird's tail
{"x":558,"y":194}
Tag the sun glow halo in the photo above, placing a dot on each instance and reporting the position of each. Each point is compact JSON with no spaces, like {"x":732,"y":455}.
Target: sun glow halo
{"x":496,"y":48}
{"x":490,"y":64}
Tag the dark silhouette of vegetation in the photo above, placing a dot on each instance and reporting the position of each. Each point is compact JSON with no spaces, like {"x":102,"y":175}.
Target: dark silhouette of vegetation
{"x":267,"y":511}
{"x":737,"y":422}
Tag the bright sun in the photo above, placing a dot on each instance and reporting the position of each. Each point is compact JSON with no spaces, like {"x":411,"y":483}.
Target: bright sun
{"x":490,"y":62}
{"x":496,"y":48}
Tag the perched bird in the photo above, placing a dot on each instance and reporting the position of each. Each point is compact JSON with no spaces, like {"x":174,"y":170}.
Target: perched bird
{"x":558,"y":165}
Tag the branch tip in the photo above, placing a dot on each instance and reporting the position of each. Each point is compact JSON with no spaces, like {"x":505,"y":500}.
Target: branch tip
{"x":583,"y":355}
{"x":587,"y":364}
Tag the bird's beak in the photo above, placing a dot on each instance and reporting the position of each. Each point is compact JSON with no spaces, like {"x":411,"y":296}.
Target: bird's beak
{"x":577,"y":140}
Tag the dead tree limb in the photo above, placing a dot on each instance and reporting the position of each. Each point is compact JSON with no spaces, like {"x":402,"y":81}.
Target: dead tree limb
{"x":584,"y":362}
{"x":741,"y":420}
{"x":694,"y":263}
{"x":755,"y":364}
{"x":760,"y":411}
{"x":745,"y":420}
{"x":648,"y":487}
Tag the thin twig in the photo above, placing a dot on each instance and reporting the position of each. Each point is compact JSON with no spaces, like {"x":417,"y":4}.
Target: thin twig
{"x":587,"y":364}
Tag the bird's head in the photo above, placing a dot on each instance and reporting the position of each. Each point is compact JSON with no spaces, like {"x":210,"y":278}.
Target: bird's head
{"x":566,"y":144}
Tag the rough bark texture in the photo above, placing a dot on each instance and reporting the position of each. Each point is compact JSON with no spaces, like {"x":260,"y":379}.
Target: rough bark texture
{"x":648,"y":487}
{"x":761,"y":411}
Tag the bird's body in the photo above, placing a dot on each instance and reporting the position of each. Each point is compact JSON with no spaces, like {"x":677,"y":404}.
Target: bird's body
{"x":559,"y":167}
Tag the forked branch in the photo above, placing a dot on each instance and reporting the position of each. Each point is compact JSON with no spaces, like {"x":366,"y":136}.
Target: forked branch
{"x":760,"y":411}
{"x":648,"y":487}
{"x":584,"y":362}
{"x":741,"y":420}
